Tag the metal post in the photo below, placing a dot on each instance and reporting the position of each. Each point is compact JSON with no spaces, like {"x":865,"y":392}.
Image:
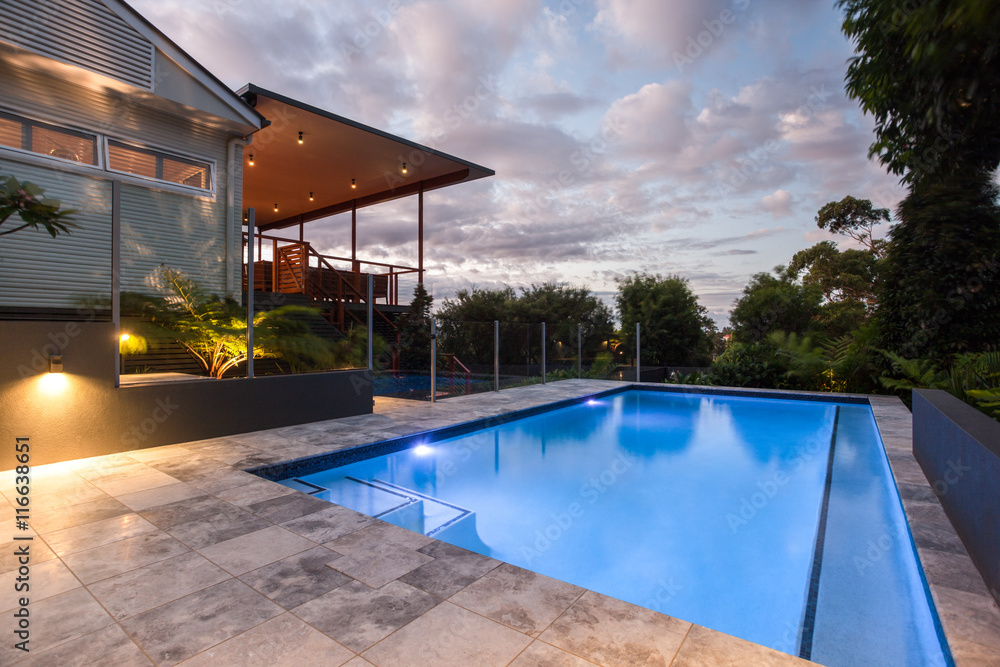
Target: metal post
{"x":250,"y":232}
{"x":116,"y":273}
{"x":579,"y":351}
{"x":371,"y":322}
{"x":543,"y":352}
{"x":638,"y":350}
{"x":496,"y":355}
{"x":420,"y":233}
{"x":434,"y":348}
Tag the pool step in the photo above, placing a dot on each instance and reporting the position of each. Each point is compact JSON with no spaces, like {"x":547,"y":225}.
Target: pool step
{"x":389,"y":502}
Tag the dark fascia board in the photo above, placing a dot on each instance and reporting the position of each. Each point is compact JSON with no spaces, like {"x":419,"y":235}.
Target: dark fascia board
{"x":181,"y":57}
{"x":979,"y":426}
{"x":252,"y":89}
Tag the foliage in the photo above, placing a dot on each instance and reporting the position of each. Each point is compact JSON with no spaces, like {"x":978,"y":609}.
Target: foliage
{"x":213,"y":330}
{"x":850,"y":363}
{"x":676,"y":329}
{"x":929,"y":72}
{"x":28,"y":201}
{"x":466,"y":323}
{"x":772,"y":303}
{"x":940,"y":283}
{"x":848,"y":275}
{"x":855,"y":218}
{"x":415,"y":331}
{"x":972,"y":377}
{"x":750,"y":365}
{"x":694,"y":378}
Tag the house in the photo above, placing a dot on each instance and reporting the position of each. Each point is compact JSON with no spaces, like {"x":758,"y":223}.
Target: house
{"x":165,"y":167}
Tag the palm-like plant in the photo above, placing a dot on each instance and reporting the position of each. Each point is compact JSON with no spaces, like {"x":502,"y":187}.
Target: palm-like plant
{"x":29,"y":203}
{"x":213,"y":330}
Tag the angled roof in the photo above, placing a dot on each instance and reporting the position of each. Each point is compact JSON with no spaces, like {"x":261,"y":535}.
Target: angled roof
{"x":334,"y":152}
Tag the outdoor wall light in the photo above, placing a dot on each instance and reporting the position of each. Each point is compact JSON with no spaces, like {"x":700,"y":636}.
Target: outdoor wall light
{"x":251,"y":159}
{"x":404,"y":168}
{"x":124,"y":337}
{"x":275,"y":208}
{"x":310,"y":196}
{"x":354,"y":185}
{"x":300,"y":137}
{"x":55,"y":364}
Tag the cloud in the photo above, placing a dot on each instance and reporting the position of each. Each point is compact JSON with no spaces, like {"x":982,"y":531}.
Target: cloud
{"x":778,"y":204}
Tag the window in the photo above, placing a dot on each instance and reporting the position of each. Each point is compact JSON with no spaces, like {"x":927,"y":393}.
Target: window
{"x":45,"y":139}
{"x":161,"y":166}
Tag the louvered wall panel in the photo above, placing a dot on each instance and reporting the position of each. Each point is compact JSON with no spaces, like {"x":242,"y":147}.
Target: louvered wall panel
{"x":80,"y":32}
{"x":37,"y":271}
{"x":176,"y":231}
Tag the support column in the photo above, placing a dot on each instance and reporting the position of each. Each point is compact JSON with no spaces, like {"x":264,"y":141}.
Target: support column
{"x":354,"y":236}
{"x":302,"y":226}
{"x":116,"y":273}
{"x":251,"y":214}
{"x":420,"y":233}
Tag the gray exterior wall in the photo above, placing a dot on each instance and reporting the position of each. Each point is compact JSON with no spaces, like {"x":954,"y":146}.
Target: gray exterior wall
{"x":85,"y":415}
{"x":188,"y":231}
{"x":958,"y":449}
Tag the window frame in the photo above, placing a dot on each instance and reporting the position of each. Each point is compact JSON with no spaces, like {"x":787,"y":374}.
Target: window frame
{"x":98,"y":151}
{"x":153,"y":149}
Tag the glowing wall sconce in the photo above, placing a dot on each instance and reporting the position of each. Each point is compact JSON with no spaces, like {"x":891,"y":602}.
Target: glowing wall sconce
{"x":251,"y":159}
{"x":55,"y":364}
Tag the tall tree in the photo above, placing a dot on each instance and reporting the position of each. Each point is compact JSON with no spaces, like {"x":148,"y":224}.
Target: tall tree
{"x":929,"y":72}
{"x":415,"y":331}
{"x":771,"y":304}
{"x":856,"y":218}
{"x":675,"y":328}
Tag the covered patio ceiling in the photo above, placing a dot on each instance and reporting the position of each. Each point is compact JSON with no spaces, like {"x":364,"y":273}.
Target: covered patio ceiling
{"x":312,"y":178}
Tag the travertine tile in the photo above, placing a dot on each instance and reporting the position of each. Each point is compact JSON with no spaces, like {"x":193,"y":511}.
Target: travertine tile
{"x":297,"y":579}
{"x":107,"y":646}
{"x":377,"y":568}
{"x":159,"y":453}
{"x":47,"y":578}
{"x":124,"y":555}
{"x":952,"y":571}
{"x":707,"y":648}
{"x":47,"y":521}
{"x":375,"y":535}
{"x":288,"y":507}
{"x":228,"y":522}
{"x":449,"y":636}
{"x":971,"y":654}
{"x":452,"y":569}
{"x":614,"y":633}
{"x":56,"y":620}
{"x":183,"y":628}
{"x":539,"y":654}
{"x":139,"y":590}
{"x":151,"y":480}
{"x":254,"y":492}
{"x":358,"y":616}
{"x":105,"y":531}
{"x":182,"y":511}
{"x":329,"y":523}
{"x":10,"y":551}
{"x":161,"y":495}
{"x":84,"y":492}
{"x":971,"y":617}
{"x":283,"y":641}
{"x":253,"y":550}
{"x":518,"y":598}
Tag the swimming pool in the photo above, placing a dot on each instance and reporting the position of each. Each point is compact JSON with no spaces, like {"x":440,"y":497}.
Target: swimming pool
{"x":772,"y":520}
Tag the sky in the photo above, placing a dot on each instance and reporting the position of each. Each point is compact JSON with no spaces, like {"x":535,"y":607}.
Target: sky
{"x":688,"y":137}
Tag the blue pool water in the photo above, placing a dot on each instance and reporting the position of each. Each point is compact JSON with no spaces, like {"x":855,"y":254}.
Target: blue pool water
{"x":710,"y":509}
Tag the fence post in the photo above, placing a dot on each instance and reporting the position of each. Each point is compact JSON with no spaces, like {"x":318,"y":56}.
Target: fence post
{"x":371,"y":322}
{"x":250,"y":279}
{"x":638,"y":350}
{"x":496,"y":355}
{"x":434,"y":347}
{"x":579,"y":351}
{"x":543,"y":352}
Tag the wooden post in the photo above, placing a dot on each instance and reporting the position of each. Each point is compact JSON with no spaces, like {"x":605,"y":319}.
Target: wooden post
{"x":355,"y":267}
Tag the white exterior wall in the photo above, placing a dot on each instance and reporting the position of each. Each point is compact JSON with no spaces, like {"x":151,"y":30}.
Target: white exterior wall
{"x":160,"y":224}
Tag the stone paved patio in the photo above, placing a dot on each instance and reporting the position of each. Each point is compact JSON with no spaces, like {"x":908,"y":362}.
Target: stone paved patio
{"x":175,"y":555}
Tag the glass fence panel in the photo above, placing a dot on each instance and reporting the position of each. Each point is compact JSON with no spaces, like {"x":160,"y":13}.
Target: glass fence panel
{"x":465,"y":358}
{"x":520,"y":354}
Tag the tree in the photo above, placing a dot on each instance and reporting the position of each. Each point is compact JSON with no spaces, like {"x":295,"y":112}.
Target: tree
{"x":848,"y":275}
{"x":415,"y":331}
{"x":855,"y":218}
{"x":675,"y":328}
{"x":28,"y":201}
{"x":929,"y":72}
{"x":940,"y":283}
{"x":772,"y":303}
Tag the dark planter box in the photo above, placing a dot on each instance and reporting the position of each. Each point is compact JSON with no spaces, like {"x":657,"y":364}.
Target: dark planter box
{"x":958,"y":448}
